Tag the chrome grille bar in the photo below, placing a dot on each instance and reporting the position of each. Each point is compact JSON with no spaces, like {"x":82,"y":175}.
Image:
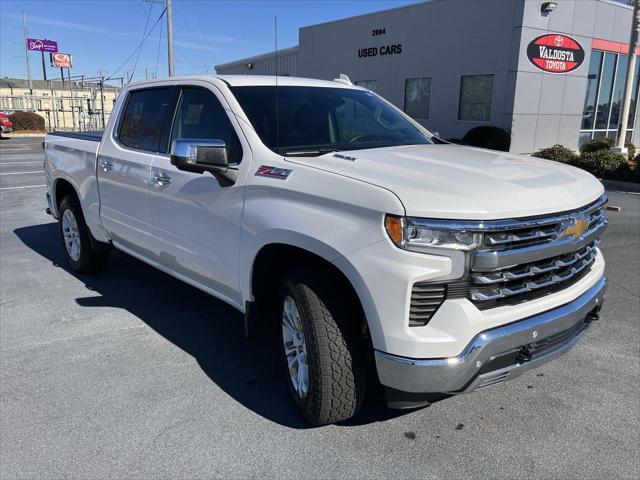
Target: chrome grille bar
{"x":489,"y":260}
{"x":500,"y":285}
{"x":510,"y":224}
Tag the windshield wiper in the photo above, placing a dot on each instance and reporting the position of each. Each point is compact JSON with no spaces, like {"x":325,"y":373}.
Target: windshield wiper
{"x":312,"y":152}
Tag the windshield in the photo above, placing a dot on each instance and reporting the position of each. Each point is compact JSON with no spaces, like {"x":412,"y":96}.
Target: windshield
{"x":315,"y":120}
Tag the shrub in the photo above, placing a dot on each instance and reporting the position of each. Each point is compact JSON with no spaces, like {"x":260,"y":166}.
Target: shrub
{"x":604,"y":163}
{"x":558,"y":153}
{"x":597,"y":144}
{"x":632,"y":151}
{"x":27,"y":121}
{"x":488,"y":137}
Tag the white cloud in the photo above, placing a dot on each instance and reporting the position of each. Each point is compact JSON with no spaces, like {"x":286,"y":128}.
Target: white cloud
{"x":205,"y":43}
{"x":68,"y":25}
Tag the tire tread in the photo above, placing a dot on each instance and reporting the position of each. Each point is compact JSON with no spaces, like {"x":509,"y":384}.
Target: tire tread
{"x":334,"y":346}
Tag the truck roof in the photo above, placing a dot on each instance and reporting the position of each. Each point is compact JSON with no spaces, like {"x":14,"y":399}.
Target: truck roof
{"x":257,"y":80}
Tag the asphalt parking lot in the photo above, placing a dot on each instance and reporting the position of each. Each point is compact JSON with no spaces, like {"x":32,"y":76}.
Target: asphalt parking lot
{"x":132,"y":374}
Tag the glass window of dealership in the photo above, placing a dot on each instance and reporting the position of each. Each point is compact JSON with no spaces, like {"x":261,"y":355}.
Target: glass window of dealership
{"x":603,"y":99}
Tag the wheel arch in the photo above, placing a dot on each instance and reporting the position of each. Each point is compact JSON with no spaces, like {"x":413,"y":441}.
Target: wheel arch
{"x":271,"y":262}
{"x":61,"y":188}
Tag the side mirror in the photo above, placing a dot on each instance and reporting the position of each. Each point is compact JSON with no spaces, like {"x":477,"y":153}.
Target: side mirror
{"x":198,"y":156}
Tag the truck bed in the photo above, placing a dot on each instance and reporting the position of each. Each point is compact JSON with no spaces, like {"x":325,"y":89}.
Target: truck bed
{"x":92,"y":136}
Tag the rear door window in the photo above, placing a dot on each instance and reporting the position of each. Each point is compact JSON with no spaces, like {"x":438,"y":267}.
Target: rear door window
{"x":146,"y":119}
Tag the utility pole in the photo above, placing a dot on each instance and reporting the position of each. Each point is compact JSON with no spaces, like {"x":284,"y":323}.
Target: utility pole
{"x":44,"y":68}
{"x":169,"y":12}
{"x":26,"y":51}
{"x":170,"y":36}
{"x":628,"y":86}
{"x":102,"y":114}
{"x":71,"y":98}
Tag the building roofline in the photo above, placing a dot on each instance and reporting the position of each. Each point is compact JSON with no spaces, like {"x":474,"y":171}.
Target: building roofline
{"x":22,"y":83}
{"x":255,"y":58}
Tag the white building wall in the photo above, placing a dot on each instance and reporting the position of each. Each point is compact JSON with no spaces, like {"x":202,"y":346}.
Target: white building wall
{"x":263,"y":64}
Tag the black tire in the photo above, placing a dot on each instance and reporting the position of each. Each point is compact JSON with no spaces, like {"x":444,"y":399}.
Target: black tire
{"x":334,"y":348}
{"x":89,"y":259}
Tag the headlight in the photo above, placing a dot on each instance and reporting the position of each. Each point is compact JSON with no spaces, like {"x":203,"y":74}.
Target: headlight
{"x":419,"y":235}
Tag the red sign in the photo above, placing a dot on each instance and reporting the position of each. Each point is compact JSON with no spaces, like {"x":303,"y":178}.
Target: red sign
{"x":62,"y":60}
{"x":555,"y":53}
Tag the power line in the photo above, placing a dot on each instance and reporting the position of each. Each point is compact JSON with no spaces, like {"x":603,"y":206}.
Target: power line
{"x":139,"y":45}
{"x":135,"y":64}
{"x":155,"y":74}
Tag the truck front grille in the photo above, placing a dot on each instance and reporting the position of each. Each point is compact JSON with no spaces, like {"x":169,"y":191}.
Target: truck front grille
{"x":529,"y":280}
{"x":519,"y":260}
{"x":525,"y":259}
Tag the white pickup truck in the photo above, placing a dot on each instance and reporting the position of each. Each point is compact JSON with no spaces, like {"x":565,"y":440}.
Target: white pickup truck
{"x":324,"y":213}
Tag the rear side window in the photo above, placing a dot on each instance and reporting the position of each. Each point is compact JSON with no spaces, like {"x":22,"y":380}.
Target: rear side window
{"x":201,"y":116}
{"x":146,"y":119}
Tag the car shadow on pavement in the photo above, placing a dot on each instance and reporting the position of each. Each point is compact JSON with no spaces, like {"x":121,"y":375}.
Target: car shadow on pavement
{"x":206,"y":328}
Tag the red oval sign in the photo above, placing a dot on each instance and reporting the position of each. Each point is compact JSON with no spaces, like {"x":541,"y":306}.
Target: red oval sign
{"x":555,"y":53}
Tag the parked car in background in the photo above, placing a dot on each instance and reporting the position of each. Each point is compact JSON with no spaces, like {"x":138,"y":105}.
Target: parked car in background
{"x":323,"y":212}
{"x":6,"y":125}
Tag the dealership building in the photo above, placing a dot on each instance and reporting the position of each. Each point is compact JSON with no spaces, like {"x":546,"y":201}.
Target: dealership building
{"x":548,"y":72}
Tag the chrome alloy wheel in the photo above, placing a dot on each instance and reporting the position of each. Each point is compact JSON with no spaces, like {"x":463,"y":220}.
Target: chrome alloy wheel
{"x":295,"y":347}
{"x":71,"y":235}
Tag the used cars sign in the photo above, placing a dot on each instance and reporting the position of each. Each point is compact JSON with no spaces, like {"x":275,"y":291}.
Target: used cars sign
{"x":555,"y":53}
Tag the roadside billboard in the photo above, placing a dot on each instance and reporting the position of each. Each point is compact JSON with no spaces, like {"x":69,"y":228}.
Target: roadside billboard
{"x":62,"y":60}
{"x":43,"y":45}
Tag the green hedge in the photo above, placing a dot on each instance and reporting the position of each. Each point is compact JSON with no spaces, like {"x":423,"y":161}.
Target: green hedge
{"x":488,"y":137}
{"x":558,"y":153}
{"x":596,"y":158}
{"x":604,"y":163}
{"x":597,"y":144}
{"x":27,"y":121}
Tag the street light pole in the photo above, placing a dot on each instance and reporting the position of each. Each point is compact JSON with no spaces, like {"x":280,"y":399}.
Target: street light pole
{"x":628,"y":86}
{"x":170,"y":36}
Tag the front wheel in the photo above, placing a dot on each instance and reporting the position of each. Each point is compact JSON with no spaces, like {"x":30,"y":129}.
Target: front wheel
{"x":322,"y":348}
{"x":76,"y":238}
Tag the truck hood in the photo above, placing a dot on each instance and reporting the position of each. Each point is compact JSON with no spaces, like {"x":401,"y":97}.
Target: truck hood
{"x":465,"y":183}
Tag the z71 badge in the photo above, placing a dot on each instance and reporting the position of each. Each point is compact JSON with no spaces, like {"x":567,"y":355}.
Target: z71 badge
{"x":273,"y":172}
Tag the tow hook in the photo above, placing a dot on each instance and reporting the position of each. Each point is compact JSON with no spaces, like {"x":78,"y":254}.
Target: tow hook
{"x":593,"y":315}
{"x":526,"y":354}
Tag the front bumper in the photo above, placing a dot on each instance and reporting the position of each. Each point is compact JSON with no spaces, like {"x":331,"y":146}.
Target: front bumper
{"x":496,"y":355}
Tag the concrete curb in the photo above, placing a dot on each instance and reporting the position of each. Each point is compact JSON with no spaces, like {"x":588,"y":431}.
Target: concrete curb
{"x":619,"y":186}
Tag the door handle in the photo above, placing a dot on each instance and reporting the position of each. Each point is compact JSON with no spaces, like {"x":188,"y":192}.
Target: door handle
{"x":161,"y":180}
{"x":106,"y":166}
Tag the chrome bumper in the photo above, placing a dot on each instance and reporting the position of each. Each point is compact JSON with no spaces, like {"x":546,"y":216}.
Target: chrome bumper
{"x":497,"y":355}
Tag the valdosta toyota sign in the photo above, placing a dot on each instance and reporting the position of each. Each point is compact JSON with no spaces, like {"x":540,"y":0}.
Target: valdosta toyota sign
{"x":555,"y":53}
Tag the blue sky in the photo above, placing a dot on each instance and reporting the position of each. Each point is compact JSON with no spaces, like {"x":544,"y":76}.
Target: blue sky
{"x":102,"y":34}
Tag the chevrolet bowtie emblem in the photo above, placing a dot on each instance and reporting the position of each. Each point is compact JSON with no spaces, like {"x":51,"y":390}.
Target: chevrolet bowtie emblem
{"x":574,"y":228}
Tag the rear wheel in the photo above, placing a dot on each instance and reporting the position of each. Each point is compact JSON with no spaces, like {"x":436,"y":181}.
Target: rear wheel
{"x":322,"y":348}
{"x":76,"y":238}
